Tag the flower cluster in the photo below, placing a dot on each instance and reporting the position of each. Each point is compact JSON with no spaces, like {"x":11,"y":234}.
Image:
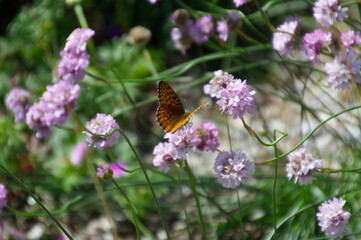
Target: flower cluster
{"x":283,"y":40}
{"x":104,"y":172}
{"x":301,"y":165}
{"x":224,"y":27}
{"x":101,"y":125}
{"x":3,"y":193}
{"x":186,"y":30}
{"x":179,"y":143}
{"x":51,"y":110}
{"x":313,"y":43}
{"x":18,"y":102}
{"x":78,"y":152}
{"x":233,"y":169}
{"x":350,"y":38}
{"x":338,"y":72}
{"x":327,"y":12}
{"x":74,"y":58}
{"x":206,"y":137}
{"x":58,"y":100}
{"x":235,"y":96}
{"x":332,"y":218}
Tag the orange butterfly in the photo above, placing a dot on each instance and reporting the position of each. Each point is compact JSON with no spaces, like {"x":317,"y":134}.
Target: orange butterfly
{"x":170,"y":113}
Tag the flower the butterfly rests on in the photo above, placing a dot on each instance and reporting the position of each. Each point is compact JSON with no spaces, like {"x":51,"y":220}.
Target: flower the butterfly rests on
{"x":171,"y":114}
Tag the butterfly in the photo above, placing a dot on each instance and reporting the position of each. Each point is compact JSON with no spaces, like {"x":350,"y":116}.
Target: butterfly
{"x":170,"y":113}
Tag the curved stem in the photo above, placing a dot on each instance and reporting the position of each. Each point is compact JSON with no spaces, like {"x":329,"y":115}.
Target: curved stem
{"x":18,"y":181}
{"x":195,"y":194}
{"x":143,"y":169}
{"x":310,"y":133}
{"x":131,"y":206}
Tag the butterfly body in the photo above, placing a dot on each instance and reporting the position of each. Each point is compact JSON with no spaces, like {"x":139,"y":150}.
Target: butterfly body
{"x":171,"y":114}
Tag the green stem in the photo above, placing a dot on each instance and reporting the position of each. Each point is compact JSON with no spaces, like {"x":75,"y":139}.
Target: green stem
{"x":195,"y":193}
{"x":274,"y":189}
{"x":229,"y":134}
{"x":18,"y":181}
{"x":115,"y":162}
{"x":183,"y":204}
{"x":131,"y":206}
{"x":143,"y":169}
{"x":240,"y":214}
{"x":310,"y":133}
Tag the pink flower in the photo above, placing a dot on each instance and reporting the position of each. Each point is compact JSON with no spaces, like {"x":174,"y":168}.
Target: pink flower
{"x":283,"y":41}
{"x":332,"y":218}
{"x":117,"y":172}
{"x":233,"y":169}
{"x":301,"y":165}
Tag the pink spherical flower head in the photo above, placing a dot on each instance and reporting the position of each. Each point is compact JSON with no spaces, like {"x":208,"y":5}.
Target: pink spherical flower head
{"x":327,"y":12}
{"x":18,"y":102}
{"x":350,"y":38}
{"x":233,"y":169}
{"x":104,"y":172}
{"x":35,"y":119}
{"x":77,"y":41}
{"x":206,"y":137}
{"x":339,"y":74}
{"x":332,"y":218}
{"x":301,"y":165}
{"x":283,"y":41}
{"x":202,"y":29}
{"x":55,"y":99}
{"x":102,"y":125}
{"x":237,"y":99}
{"x":182,"y":140}
{"x":313,"y":42}
{"x":218,"y":83}
{"x":165,"y":155}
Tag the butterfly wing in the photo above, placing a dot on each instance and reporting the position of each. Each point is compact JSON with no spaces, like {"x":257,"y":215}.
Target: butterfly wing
{"x":170,"y":110}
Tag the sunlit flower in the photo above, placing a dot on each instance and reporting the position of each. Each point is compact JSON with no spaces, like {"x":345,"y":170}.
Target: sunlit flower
{"x":217,"y":83}
{"x":233,"y":169}
{"x":182,"y":140}
{"x":55,"y":99}
{"x":327,"y":12}
{"x":313,"y":42}
{"x":237,"y":99}
{"x":36,"y":121}
{"x":18,"y":102}
{"x":165,"y":155}
{"x":332,"y":218}
{"x":283,"y":40}
{"x":349,"y":38}
{"x":102,"y":125}
{"x":206,"y":137}
{"x":74,"y":58}
{"x":301,"y":165}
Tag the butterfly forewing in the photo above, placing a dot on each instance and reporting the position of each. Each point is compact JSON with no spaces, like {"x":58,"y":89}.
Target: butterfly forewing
{"x":170,"y":113}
